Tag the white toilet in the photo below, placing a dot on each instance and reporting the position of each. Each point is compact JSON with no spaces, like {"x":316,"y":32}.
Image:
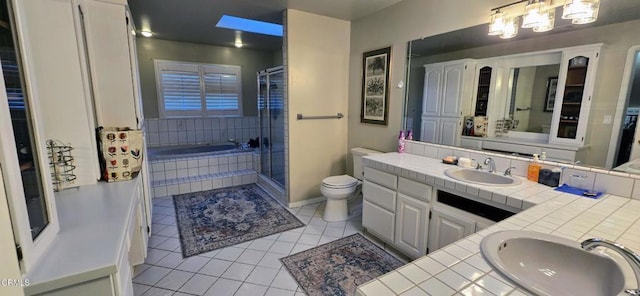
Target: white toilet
{"x":337,"y":189}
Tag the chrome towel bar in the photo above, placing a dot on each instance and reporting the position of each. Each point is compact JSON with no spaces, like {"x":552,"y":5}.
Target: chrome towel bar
{"x":337,"y":116}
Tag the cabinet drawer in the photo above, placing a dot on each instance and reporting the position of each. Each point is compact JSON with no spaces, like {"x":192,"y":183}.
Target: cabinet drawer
{"x":559,"y":154}
{"x":378,"y":221}
{"x":381,"y":196}
{"x":380,"y":177}
{"x":415,"y":189}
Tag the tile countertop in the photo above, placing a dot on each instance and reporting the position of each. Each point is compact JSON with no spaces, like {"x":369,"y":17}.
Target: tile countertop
{"x":459,"y":269}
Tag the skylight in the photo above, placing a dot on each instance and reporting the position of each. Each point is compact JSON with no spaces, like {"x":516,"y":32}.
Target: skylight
{"x":249,"y":25}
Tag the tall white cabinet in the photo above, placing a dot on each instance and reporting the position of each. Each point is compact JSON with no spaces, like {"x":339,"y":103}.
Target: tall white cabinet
{"x":107,"y":33}
{"x":446,"y":95}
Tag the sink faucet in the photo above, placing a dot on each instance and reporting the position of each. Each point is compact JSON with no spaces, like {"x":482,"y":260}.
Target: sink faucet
{"x":632,"y":258}
{"x":492,"y":165}
{"x":507,"y":172}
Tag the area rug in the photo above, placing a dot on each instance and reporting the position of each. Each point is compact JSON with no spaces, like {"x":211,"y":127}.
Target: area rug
{"x":218,"y":218}
{"x":338,"y":267}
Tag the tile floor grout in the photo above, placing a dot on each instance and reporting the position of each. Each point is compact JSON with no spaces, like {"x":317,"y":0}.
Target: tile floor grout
{"x":303,"y":238}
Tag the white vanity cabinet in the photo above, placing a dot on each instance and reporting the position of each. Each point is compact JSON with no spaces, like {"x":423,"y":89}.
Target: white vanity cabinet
{"x":396,"y":210}
{"x":448,"y":226}
{"x":447,"y":92}
{"x":412,"y":217}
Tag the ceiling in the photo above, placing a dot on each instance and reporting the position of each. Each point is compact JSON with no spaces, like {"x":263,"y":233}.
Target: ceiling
{"x":195,"y":20}
{"x":611,"y":11}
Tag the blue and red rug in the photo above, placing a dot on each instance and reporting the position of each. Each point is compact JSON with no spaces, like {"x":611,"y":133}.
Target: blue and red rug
{"x":218,"y":218}
{"x":339,"y":267}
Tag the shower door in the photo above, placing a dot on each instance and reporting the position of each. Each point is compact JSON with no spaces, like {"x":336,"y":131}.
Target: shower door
{"x":272,"y":124}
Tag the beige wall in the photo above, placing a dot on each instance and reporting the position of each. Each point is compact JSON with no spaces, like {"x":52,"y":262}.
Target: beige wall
{"x":395,"y":26}
{"x":251,"y":61}
{"x":317,"y":61}
{"x":398,"y":24}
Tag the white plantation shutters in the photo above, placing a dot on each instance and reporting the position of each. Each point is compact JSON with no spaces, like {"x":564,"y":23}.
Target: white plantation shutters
{"x":198,"y":90}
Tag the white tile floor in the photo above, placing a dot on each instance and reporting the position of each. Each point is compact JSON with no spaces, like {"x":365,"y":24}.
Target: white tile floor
{"x":250,"y":268}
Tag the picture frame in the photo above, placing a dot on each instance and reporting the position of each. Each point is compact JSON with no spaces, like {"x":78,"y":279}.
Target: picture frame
{"x":375,"y":86}
{"x":550,"y":100}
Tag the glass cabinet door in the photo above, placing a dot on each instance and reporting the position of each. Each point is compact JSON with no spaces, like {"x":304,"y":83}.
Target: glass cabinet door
{"x":482,"y":92}
{"x":573,"y":95}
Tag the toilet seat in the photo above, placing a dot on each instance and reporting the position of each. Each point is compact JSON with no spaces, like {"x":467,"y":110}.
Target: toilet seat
{"x":339,"y":182}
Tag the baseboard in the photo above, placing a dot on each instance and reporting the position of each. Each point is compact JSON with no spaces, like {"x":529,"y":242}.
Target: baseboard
{"x":307,"y":202}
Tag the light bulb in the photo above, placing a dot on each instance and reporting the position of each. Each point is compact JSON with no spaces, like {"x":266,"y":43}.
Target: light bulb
{"x":146,"y":33}
{"x":510,"y":28}
{"x":497,"y":23}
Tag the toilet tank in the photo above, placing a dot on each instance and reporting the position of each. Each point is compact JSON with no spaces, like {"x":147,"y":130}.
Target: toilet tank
{"x":358,"y":153}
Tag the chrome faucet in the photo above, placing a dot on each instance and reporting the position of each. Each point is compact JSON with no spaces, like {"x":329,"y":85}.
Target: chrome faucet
{"x":234,"y":142}
{"x":492,"y":165}
{"x":507,"y":172}
{"x":632,"y":258}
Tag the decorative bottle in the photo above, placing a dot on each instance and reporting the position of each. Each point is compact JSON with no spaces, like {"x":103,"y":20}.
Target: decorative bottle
{"x":410,"y":135}
{"x":401,"y":142}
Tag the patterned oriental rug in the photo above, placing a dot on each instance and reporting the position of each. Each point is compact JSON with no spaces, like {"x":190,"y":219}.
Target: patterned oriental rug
{"x":338,"y":267}
{"x":218,"y":218}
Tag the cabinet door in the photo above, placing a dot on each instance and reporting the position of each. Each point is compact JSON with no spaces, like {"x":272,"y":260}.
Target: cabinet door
{"x":411,"y":226}
{"x":430,"y":130}
{"x":432,"y":91}
{"x":449,"y":132}
{"x":484,"y":80}
{"x":573,"y":95}
{"x":378,"y":221}
{"x":110,"y":62}
{"x":448,"y":226}
{"x":452,"y":90}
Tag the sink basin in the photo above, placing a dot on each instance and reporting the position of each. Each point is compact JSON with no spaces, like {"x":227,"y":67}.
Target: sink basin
{"x":481,"y":177}
{"x":550,"y":265}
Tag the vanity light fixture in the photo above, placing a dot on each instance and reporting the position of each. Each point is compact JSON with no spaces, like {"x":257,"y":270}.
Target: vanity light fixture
{"x":539,"y":15}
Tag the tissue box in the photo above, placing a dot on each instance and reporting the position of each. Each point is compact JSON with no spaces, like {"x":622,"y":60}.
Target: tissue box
{"x":549,"y":177}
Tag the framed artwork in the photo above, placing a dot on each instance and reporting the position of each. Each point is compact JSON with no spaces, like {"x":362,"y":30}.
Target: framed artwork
{"x":375,"y":86}
{"x":549,"y":102}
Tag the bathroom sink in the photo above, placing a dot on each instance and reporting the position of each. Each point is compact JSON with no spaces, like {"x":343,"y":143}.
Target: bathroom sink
{"x":482,"y":177}
{"x":546,"y":264}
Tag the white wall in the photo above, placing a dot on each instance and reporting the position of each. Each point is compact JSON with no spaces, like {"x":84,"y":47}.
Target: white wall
{"x":317,"y":59}
{"x":395,"y":26}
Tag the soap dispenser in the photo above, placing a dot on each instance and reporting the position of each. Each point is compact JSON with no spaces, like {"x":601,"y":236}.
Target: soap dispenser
{"x":534,"y":169}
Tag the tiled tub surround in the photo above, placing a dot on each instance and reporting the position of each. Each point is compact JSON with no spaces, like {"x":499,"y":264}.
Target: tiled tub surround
{"x":184,"y":131}
{"x":459,"y":269}
{"x":192,"y":174}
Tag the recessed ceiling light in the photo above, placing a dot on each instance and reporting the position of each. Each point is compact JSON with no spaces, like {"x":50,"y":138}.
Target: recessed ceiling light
{"x":146,"y":33}
{"x":249,"y":25}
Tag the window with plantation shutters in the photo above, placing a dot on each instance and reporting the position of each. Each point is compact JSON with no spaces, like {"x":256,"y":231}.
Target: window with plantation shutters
{"x":198,"y":90}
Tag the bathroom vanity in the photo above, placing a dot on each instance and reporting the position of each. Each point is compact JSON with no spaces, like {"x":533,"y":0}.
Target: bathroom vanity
{"x":103,"y":234}
{"x":411,"y":204}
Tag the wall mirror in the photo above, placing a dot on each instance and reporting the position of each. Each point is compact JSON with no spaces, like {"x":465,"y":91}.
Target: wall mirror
{"x":530,"y":97}
{"x":499,"y":84}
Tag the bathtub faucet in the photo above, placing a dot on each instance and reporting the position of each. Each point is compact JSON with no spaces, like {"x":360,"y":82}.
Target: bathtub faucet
{"x":238,"y":144}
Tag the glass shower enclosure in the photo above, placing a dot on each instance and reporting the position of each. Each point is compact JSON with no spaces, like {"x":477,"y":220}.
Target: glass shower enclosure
{"x":271,"y":109}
